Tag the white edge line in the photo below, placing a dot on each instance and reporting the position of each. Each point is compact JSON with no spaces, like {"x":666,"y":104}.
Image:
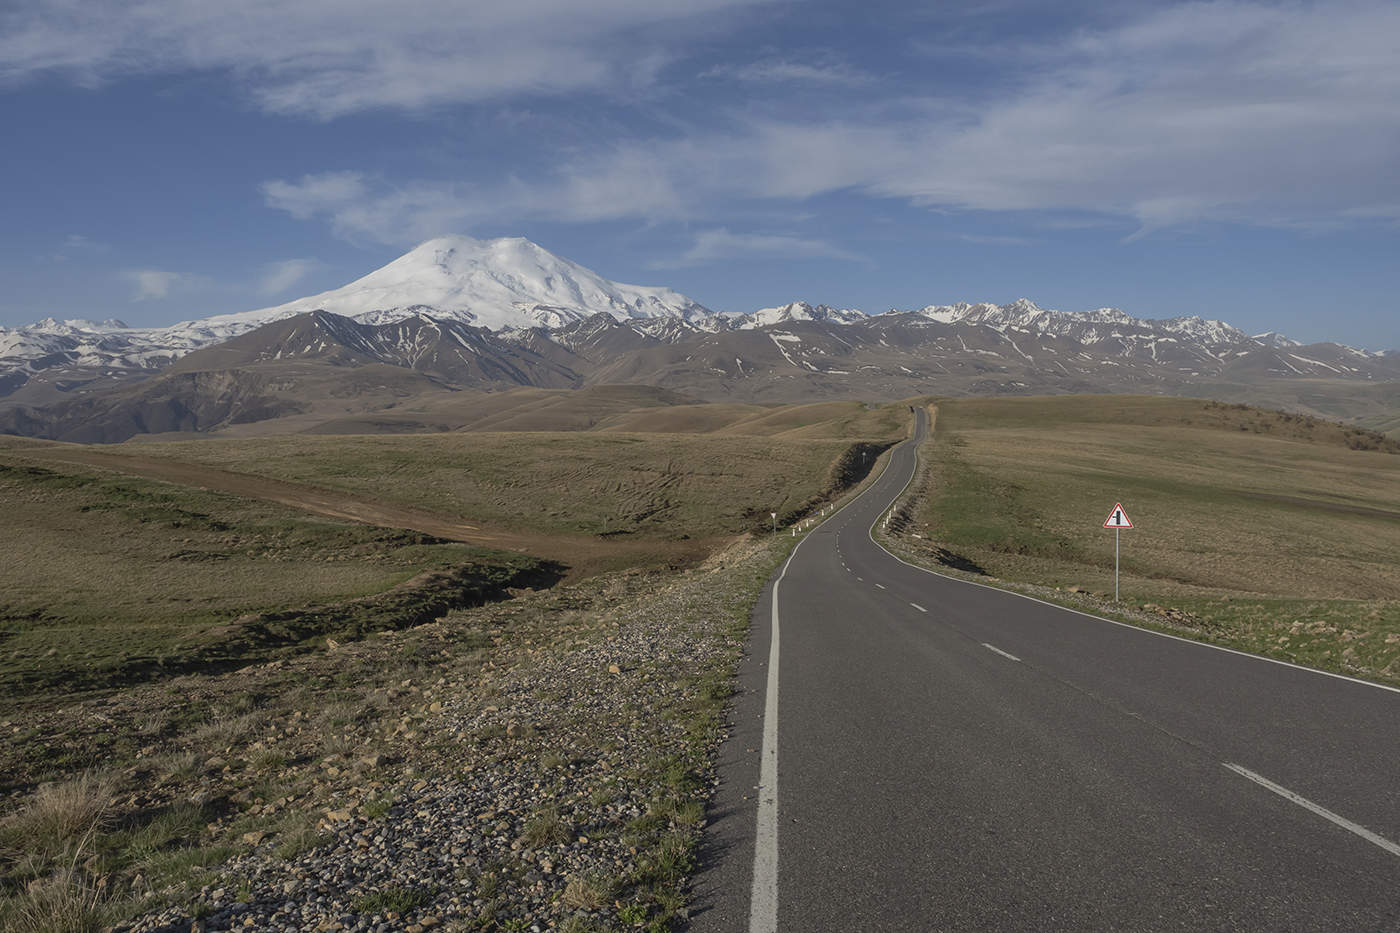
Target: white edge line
{"x":763,"y":896}
{"x":999,"y":651}
{"x":918,"y":607}
{"x":1089,"y":615}
{"x":880,"y":586}
{"x":1321,"y":811}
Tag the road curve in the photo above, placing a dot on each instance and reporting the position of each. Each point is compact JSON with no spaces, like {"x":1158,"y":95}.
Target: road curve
{"x":947,"y":756}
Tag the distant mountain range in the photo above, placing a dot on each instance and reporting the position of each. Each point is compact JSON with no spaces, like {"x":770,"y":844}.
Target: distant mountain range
{"x":461,"y":314}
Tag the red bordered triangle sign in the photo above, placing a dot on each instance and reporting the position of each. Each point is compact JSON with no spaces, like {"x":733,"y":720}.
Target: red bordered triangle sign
{"x":1119,"y":518}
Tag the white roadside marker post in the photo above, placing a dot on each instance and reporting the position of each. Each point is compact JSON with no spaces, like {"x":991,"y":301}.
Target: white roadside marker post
{"x":1118,"y":520}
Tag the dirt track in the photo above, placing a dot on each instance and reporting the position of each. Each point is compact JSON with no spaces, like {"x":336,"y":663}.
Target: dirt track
{"x":582,"y":555}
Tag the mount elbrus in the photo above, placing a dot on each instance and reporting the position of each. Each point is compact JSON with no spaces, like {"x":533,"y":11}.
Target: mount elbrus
{"x":462,"y":314}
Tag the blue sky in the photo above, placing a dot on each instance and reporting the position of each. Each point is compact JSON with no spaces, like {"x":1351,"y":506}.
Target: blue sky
{"x":171,"y":159}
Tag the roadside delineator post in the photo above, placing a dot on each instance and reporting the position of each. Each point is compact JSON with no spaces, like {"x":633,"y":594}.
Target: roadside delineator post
{"x":1117,"y":521}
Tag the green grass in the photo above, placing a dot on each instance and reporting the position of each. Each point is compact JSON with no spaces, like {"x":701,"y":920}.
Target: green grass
{"x":1388,"y":424}
{"x":1273,"y":532}
{"x":396,"y":900}
{"x":651,"y":485}
{"x":122,"y":579}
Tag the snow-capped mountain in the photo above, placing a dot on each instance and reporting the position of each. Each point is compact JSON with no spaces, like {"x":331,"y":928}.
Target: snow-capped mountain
{"x":1084,"y":326}
{"x":797,"y":311}
{"x":495,"y":284}
{"x":79,"y":352}
{"x":460,"y":313}
{"x":1276,"y":340}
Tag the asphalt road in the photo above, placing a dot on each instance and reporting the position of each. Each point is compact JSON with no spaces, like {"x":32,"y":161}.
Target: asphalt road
{"x":946,"y":756}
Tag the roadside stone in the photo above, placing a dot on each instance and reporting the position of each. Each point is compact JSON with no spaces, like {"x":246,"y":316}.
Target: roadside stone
{"x":529,"y":766}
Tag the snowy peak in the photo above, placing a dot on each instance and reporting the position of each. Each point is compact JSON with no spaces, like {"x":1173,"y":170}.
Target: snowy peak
{"x":75,"y":327}
{"x":799,"y":311}
{"x":1276,"y":340}
{"x":496,"y":284}
{"x":446,"y":351}
{"x":1084,"y":326}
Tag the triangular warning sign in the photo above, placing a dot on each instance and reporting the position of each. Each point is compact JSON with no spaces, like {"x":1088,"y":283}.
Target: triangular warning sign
{"x":1119,"y":518}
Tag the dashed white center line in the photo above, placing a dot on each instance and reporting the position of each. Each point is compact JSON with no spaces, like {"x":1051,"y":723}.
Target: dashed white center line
{"x":880,"y":586}
{"x":1321,"y":811}
{"x":861,"y":579}
{"x":918,"y":607}
{"x":994,"y":648}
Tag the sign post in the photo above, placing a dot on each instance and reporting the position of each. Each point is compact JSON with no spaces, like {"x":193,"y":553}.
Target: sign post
{"x":775,"y":521}
{"x":1117,"y":521}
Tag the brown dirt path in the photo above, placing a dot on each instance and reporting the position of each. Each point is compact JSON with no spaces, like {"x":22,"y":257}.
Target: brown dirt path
{"x":581,"y":555}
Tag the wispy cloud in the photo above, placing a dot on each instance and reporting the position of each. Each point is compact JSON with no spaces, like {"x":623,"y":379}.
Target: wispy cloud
{"x":76,"y":245}
{"x":715,"y":245}
{"x":279,"y":276}
{"x":1244,"y":112}
{"x":153,"y":284}
{"x":359,"y":206}
{"x":983,"y":239}
{"x":784,"y":70}
{"x":76,"y":242}
{"x":326,"y":58}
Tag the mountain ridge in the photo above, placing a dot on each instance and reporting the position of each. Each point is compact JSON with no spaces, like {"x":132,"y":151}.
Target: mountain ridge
{"x":458,"y":313}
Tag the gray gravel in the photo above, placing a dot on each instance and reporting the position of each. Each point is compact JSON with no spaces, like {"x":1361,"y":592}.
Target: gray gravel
{"x":562,"y":789}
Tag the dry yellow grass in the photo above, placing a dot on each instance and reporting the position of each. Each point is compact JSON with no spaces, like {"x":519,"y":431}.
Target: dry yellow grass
{"x":1268,"y":525}
{"x":572,"y":483}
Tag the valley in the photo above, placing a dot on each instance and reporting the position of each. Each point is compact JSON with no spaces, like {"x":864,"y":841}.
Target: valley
{"x":461,"y":558}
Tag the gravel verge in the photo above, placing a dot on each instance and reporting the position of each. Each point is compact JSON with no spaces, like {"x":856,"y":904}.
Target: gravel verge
{"x":546,"y":766}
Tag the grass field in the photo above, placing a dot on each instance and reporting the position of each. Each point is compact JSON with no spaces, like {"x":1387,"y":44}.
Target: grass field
{"x":572,"y":483}
{"x":1268,"y":531}
{"x":121,"y":578}
{"x":613,"y":408}
{"x":146,"y":746}
{"x":111,"y":578}
{"x":1386,"y":424}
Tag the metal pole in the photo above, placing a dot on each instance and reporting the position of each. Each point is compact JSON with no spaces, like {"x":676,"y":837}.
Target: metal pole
{"x":1116,"y":533}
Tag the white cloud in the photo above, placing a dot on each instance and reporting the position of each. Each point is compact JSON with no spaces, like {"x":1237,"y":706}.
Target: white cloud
{"x":326,"y":58}
{"x":361,"y":207}
{"x":1231,"y":111}
{"x":783,"y":70}
{"x":76,"y":242}
{"x":152,"y":284}
{"x":1211,"y":111}
{"x":315,"y":194}
{"x":714,"y":245}
{"x":1223,"y":111}
{"x":280,"y":276}
{"x":76,"y":245}
{"x":983,"y":239}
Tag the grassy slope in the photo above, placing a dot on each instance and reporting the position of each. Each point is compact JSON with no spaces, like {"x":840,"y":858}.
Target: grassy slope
{"x":574,"y":483}
{"x":1386,"y":424}
{"x":122,"y":565}
{"x":117,"y":573}
{"x":123,"y":579}
{"x":1269,"y":531}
